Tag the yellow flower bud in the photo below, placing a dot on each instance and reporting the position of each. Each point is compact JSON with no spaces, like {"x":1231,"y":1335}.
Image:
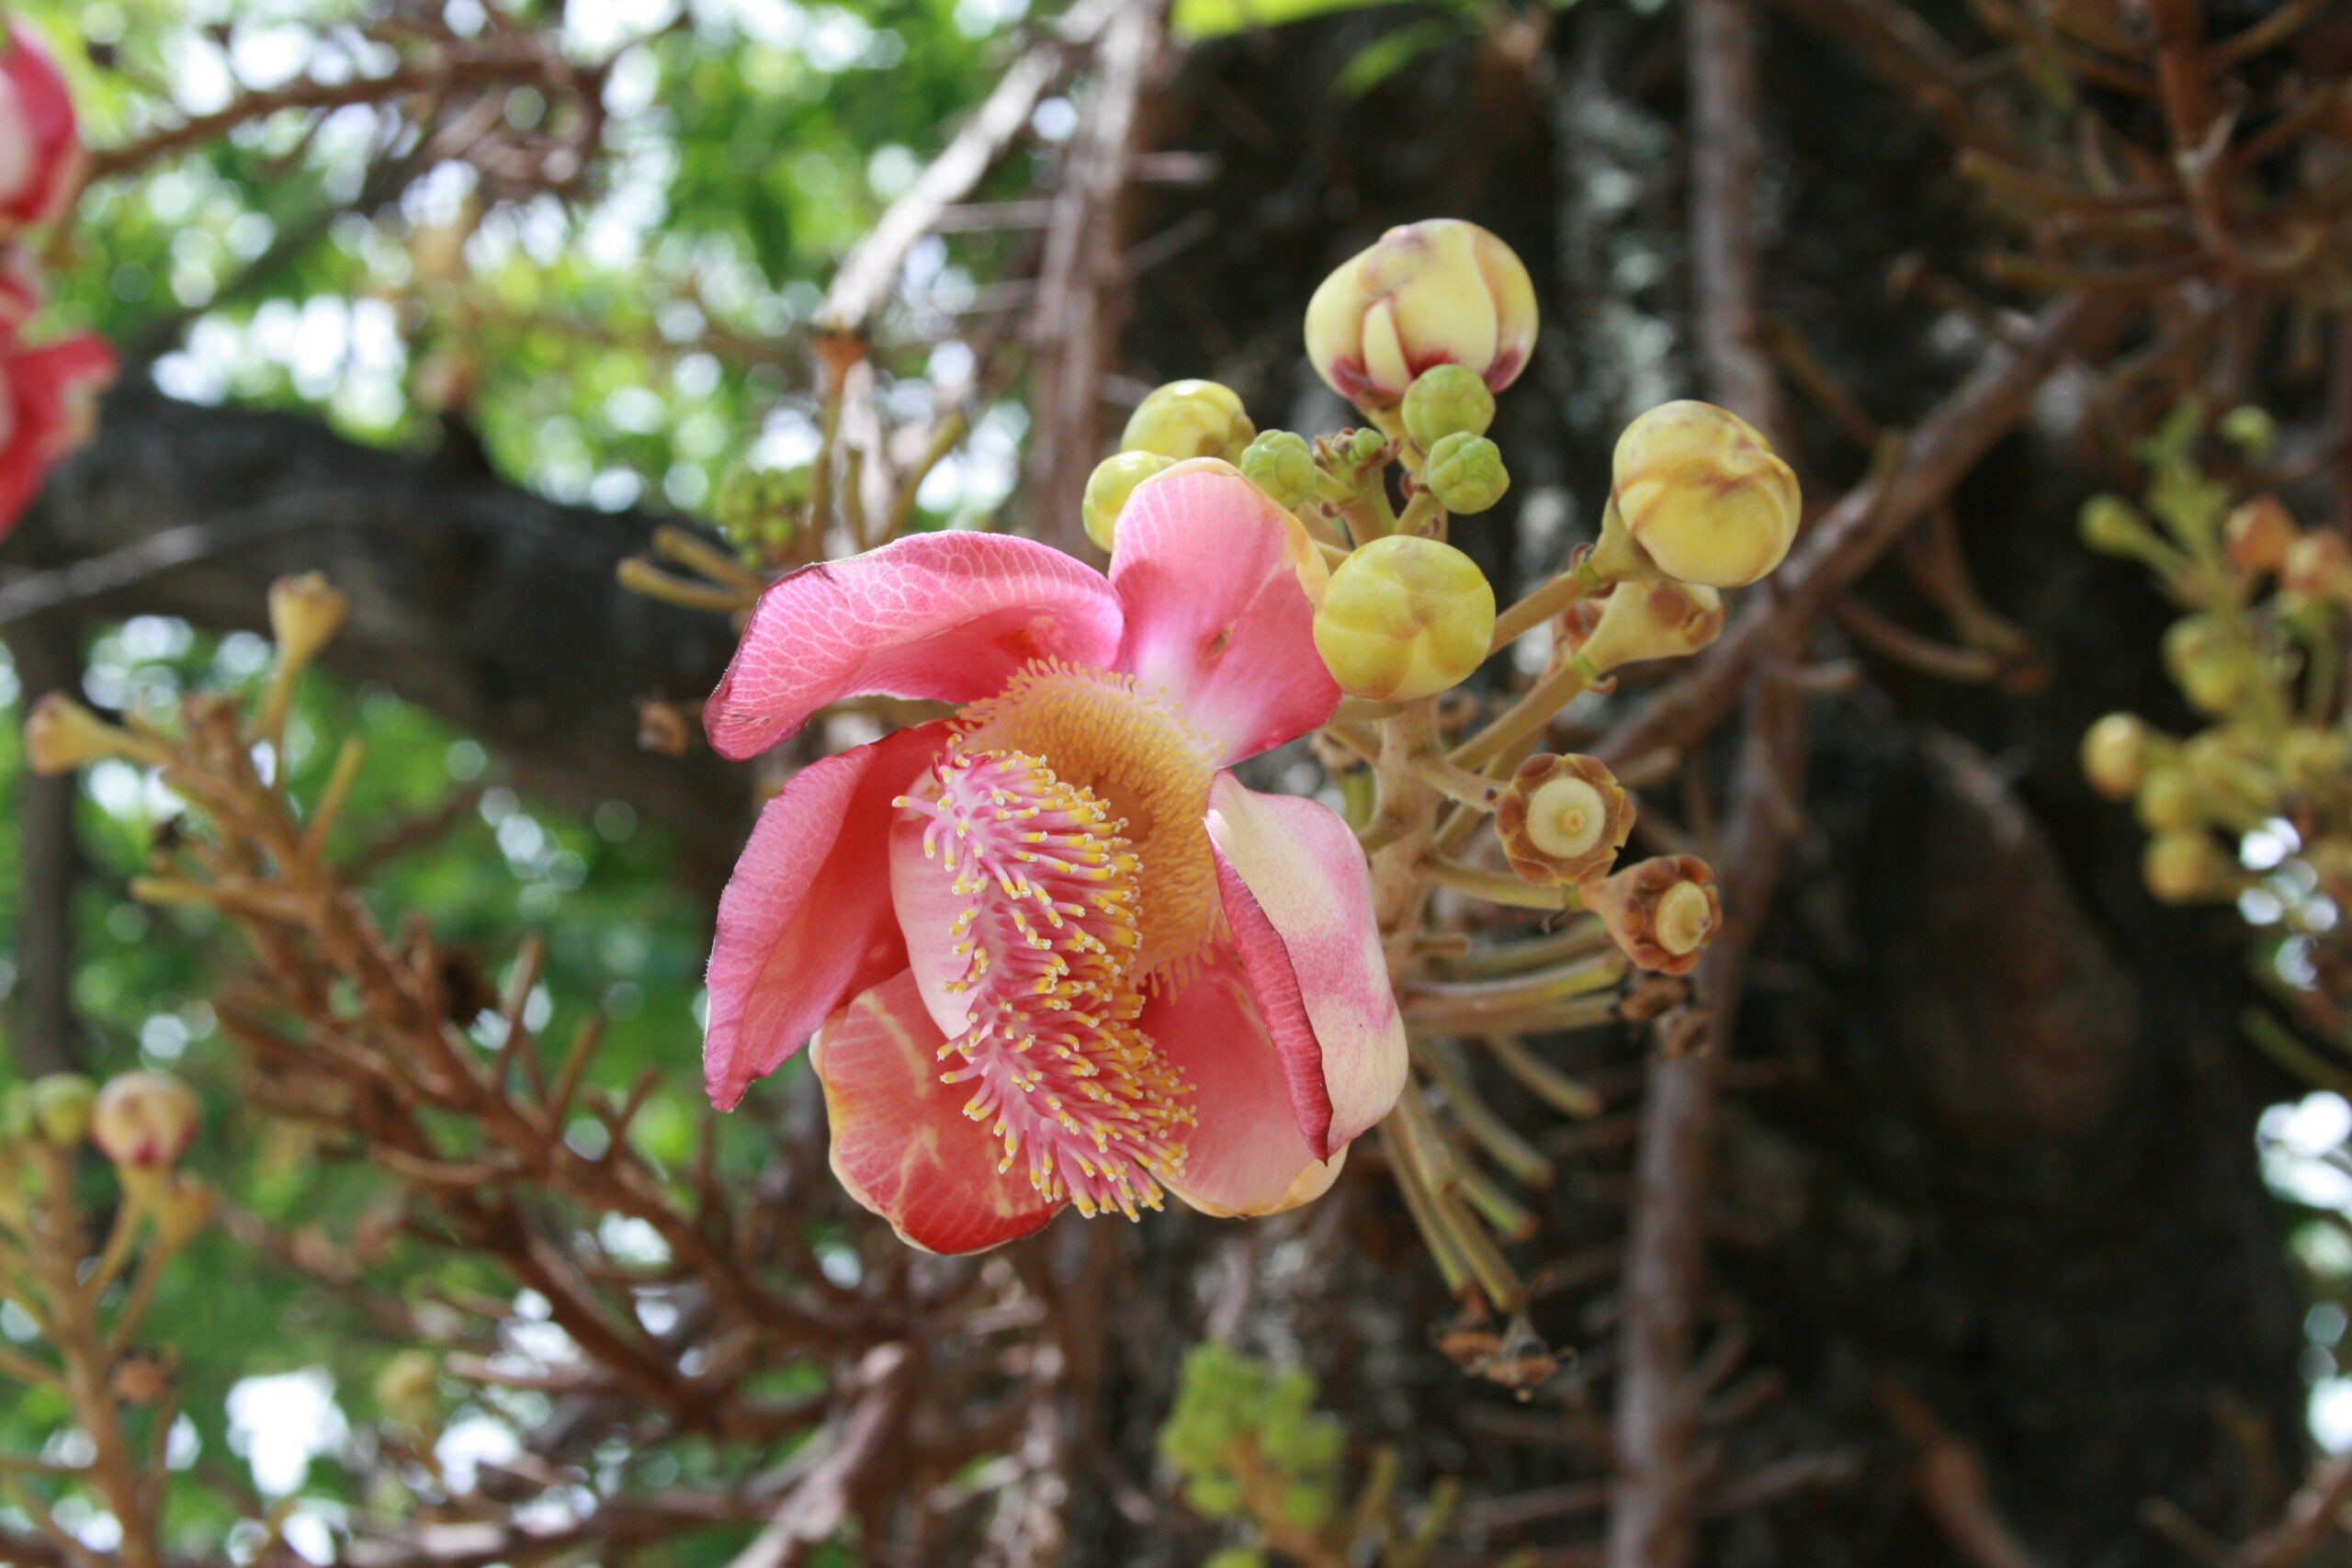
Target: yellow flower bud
{"x":2214,"y":669}
{"x":1190,"y":419}
{"x":2167,"y":802}
{"x":1280,"y":463}
{"x":1563,"y":819}
{"x":1404,"y":618}
{"x":2311,"y":757}
{"x":2251,"y":430}
{"x":1440,"y":292}
{"x":1660,"y":913}
{"x":61,"y":735}
{"x":1703,"y":495}
{"x":182,"y":1207}
{"x":305,"y":612}
{"x":60,"y":1105}
{"x":1657,"y":619}
{"x":408,"y":1389}
{"x":2115,"y":755}
{"x":1108,"y":488}
{"x":2189,"y":867}
{"x":2258,"y":535}
{"x":144,"y":1120}
{"x":2112,"y":526}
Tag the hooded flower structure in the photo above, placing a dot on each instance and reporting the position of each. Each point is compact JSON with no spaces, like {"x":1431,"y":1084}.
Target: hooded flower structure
{"x":1050,"y":949}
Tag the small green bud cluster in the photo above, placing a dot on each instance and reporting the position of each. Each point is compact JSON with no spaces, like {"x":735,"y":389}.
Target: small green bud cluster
{"x":1247,"y":1442}
{"x":760,"y":508}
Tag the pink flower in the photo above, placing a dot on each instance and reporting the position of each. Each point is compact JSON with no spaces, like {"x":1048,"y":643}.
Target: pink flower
{"x":1051,"y":951}
{"x":40,"y":156}
{"x":48,"y":406}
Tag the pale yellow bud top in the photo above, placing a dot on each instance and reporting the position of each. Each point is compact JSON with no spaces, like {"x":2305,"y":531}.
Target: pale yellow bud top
{"x":1562,"y":818}
{"x":1109,"y":487}
{"x":1685,"y":918}
{"x":182,"y":1207}
{"x":1440,"y":292}
{"x":144,"y":1120}
{"x":1190,"y":419}
{"x":305,"y":612}
{"x":61,"y":735}
{"x":1565,"y":817}
{"x":2115,"y":755}
{"x":1404,"y":618}
{"x":1705,"y":495}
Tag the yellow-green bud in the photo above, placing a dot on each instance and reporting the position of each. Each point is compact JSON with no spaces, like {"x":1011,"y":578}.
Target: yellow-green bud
{"x":1703,"y":495}
{"x":17,"y":1122}
{"x":1656,"y":619}
{"x":144,"y":1120}
{"x":1109,"y":486}
{"x":1189,"y":419}
{"x":2213,"y":669}
{"x":2112,"y":526}
{"x":2189,"y":867}
{"x":1404,"y":618}
{"x":2168,"y":801}
{"x":304,"y":613}
{"x":182,"y":1207}
{"x":1280,"y":463}
{"x":61,"y":735}
{"x":2115,"y":755}
{"x":1466,"y":473}
{"x":408,"y":1389}
{"x":1563,"y":819}
{"x":2311,"y":757}
{"x":1440,"y":292}
{"x":2251,"y":430}
{"x":1660,"y":913}
{"x":61,"y":1104}
{"x":1447,"y":399}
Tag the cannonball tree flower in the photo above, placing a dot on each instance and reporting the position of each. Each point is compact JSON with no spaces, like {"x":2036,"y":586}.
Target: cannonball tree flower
{"x":1051,"y":951}
{"x":47,"y":406}
{"x":40,"y":155}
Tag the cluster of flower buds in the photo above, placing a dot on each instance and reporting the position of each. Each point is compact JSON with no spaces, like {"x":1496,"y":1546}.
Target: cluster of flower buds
{"x":141,"y":1121}
{"x":48,"y":391}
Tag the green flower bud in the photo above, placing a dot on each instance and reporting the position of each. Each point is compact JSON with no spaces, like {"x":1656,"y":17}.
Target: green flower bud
{"x":1704,"y":494}
{"x":1218,"y":1497}
{"x":1467,"y":472}
{"x":60,"y":1105}
{"x":1447,"y":399}
{"x":1189,"y":419}
{"x":16,"y":1121}
{"x":2311,"y":757}
{"x":2214,"y":669}
{"x":1404,"y":618}
{"x":2189,"y":867}
{"x":2168,"y":801}
{"x":1440,"y":292}
{"x":183,"y":1206}
{"x":408,"y":1389}
{"x":1282,"y":464}
{"x":2251,"y":430}
{"x":2112,"y":526}
{"x":2115,"y":755}
{"x":1109,"y":486}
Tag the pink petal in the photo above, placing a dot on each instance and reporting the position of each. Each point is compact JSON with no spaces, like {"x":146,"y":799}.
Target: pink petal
{"x":805,"y":922}
{"x":1213,"y":577}
{"x":38,"y":145}
{"x":947,"y":616}
{"x":1299,"y":899}
{"x":1246,"y":1154}
{"x":50,"y":394}
{"x":901,"y":1142}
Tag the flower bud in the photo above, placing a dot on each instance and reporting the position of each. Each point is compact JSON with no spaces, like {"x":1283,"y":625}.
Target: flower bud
{"x":1404,"y":618}
{"x":145,"y":1121}
{"x":2251,"y":430}
{"x":2318,"y":566}
{"x":2115,"y":755}
{"x":2189,"y":867}
{"x":182,"y":1206}
{"x":1633,"y":621}
{"x":2311,"y":757}
{"x":1280,"y":463}
{"x":60,"y":1105}
{"x":2167,"y":801}
{"x":1661,"y":912}
{"x":1563,"y":819}
{"x":1447,"y":399}
{"x":1109,"y":486}
{"x":2214,"y":669}
{"x":1189,"y":419}
{"x":1440,"y":292}
{"x":2112,"y":526}
{"x":2258,"y":535}
{"x":304,"y":613}
{"x":1466,"y":473}
{"x":408,"y":1389}
{"x":1704,"y":494}
{"x":2234,"y":786}
{"x":61,"y":735}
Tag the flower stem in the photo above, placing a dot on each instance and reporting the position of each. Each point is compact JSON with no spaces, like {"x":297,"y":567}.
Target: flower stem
{"x":1524,"y":720}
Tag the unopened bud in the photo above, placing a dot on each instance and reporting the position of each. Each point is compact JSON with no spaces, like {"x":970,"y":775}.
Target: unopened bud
{"x":2213,"y":669}
{"x":1447,"y":399}
{"x":2167,"y":800}
{"x":2251,"y":430}
{"x":61,"y":735}
{"x":2115,"y":755}
{"x":408,"y":1389}
{"x":1109,"y":486}
{"x":1404,"y":618}
{"x":2112,"y":526}
{"x":182,"y":1206}
{"x":1190,"y":419}
{"x":2258,"y":535}
{"x":2233,"y":786}
{"x":1660,"y":913}
{"x":60,"y":1105}
{"x":1563,"y":819}
{"x":1703,"y":495}
{"x":2312,"y":757}
{"x":1440,"y":292}
{"x":1657,"y":619}
{"x":304,"y":613}
{"x":2189,"y":867}
{"x":1280,"y":463}
{"x":1466,"y":473}
{"x":145,"y":1121}
{"x":2318,"y":566}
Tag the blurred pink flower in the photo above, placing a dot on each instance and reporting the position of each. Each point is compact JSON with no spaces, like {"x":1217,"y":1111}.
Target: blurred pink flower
{"x":40,"y":154}
{"x":1050,"y":950}
{"x":48,"y":404}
